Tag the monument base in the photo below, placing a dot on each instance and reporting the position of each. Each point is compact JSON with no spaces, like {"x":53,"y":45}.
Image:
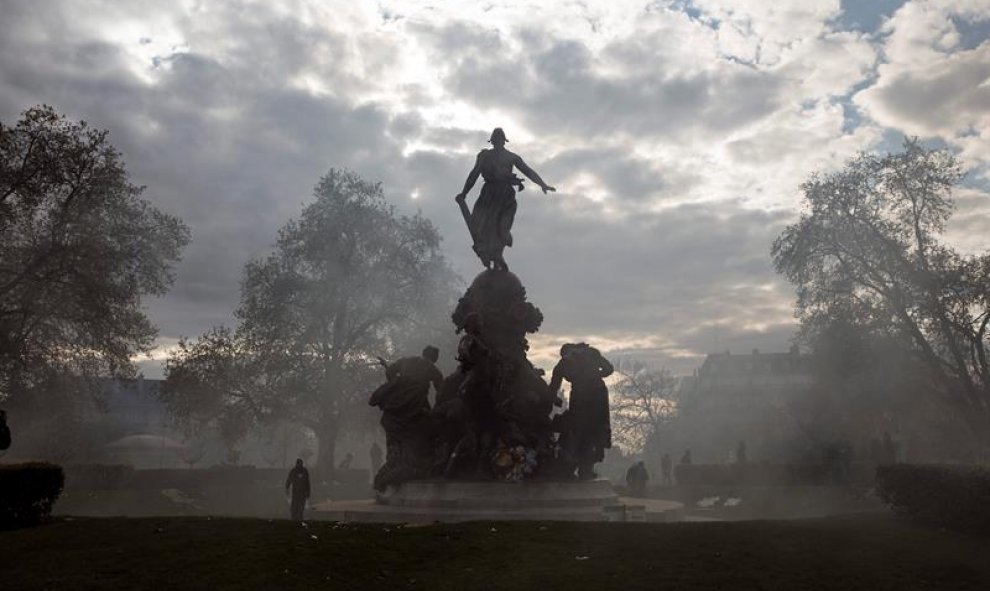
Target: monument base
{"x":428,"y":501}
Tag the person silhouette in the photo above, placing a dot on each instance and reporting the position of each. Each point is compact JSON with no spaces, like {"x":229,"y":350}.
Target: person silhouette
{"x":5,"y":438}
{"x":298,"y":483}
{"x":686,"y":458}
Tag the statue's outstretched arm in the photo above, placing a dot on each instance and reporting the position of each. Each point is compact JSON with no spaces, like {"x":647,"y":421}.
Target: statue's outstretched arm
{"x":472,"y":178}
{"x":531,"y":174}
{"x":557,"y":377}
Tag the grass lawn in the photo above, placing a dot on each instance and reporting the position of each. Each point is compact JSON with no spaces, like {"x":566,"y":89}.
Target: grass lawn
{"x":862,"y":552}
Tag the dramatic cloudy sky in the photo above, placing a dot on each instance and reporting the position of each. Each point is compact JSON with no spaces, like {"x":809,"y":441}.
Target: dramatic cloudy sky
{"x":677,"y":133}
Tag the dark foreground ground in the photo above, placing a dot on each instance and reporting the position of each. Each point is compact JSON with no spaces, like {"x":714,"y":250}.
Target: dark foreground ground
{"x":863,"y":552}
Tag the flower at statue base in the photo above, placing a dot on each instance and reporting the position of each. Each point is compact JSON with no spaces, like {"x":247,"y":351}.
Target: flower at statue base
{"x":513,"y":463}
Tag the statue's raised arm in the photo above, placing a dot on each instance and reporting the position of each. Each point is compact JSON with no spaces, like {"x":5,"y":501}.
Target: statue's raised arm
{"x":490,"y":223}
{"x":532,"y":175}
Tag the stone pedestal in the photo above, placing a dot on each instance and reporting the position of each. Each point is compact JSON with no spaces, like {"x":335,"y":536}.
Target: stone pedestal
{"x":428,"y":501}
{"x":448,"y":494}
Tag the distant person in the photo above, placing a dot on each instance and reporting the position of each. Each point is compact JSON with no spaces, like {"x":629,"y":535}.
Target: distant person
{"x":741,"y":457}
{"x":666,"y":467}
{"x":346,"y":462}
{"x":4,"y":431}
{"x":376,"y":457}
{"x":636,"y":479}
{"x":686,"y":458}
{"x":298,"y":483}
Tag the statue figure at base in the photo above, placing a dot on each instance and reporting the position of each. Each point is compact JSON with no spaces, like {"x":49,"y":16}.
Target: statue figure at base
{"x":585,"y":429}
{"x":406,"y":418}
{"x":476,"y":407}
{"x":492,"y":417}
{"x":490,"y":223}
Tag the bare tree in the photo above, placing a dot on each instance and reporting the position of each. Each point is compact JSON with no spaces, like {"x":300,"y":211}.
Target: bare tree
{"x":642,"y":403}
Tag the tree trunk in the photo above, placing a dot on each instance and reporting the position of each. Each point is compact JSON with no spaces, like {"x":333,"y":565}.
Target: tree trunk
{"x":326,"y":437}
{"x":978,"y":420}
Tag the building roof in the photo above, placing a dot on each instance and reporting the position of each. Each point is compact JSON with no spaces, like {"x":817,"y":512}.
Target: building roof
{"x":755,"y":364}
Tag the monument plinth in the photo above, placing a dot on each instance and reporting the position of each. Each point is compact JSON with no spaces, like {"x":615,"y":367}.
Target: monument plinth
{"x":429,"y":501}
{"x":538,"y":494}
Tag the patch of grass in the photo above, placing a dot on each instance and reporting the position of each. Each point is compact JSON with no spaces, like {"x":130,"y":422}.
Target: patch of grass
{"x":874,"y":552}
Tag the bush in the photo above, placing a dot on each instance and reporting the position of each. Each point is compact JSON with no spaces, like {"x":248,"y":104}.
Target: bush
{"x":28,"y":491}
{"x":955,"y":497}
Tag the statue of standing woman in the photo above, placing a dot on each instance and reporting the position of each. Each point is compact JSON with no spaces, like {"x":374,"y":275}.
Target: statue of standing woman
{"x":491,"y":221}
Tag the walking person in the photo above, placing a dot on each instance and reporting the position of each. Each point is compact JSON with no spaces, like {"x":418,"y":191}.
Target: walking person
{"x":298,"y":483}
{"x":4,"y":431}
{"x":636,"y":478}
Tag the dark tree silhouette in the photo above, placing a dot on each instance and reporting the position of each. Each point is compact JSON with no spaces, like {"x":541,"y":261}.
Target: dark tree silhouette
{"x":866,"y":251}
{"x":79,"y":248}
{"x":349,"y":281}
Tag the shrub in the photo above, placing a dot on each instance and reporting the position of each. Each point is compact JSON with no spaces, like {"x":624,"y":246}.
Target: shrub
{"x":28,"y":491}
{"x":955,"y":497}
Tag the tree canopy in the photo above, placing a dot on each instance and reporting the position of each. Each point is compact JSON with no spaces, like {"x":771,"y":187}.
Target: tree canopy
{"x":79,"y":248}
{"x":867,"y":252}
{"x":348,"y":281}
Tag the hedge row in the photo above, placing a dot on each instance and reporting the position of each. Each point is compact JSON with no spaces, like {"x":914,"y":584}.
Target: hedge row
{"x":955,"y":497}
{"x":88,"y":477}
{"x":97,"y":476}
{"x":753,"y":475}
{"x":28,"y":491}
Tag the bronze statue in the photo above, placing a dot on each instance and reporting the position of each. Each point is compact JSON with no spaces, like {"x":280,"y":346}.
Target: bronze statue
{"x":492,"y":417}
{"x":478,"y":425}
{"x":490,"y":223}
{"x":585,"y":427}
{"x":404,"y":402}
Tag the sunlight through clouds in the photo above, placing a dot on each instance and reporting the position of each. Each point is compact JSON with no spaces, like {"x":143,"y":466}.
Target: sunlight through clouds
{"x":676,"y":132}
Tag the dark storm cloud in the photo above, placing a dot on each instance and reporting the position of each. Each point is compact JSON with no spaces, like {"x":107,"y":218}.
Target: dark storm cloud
{"x":671,"y":270}
{"x":232,"y":143}
{"x":693,"y":278}
{"x":231,"y":148}
{"x":554,"y":86}
{"x":626,"y":177}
